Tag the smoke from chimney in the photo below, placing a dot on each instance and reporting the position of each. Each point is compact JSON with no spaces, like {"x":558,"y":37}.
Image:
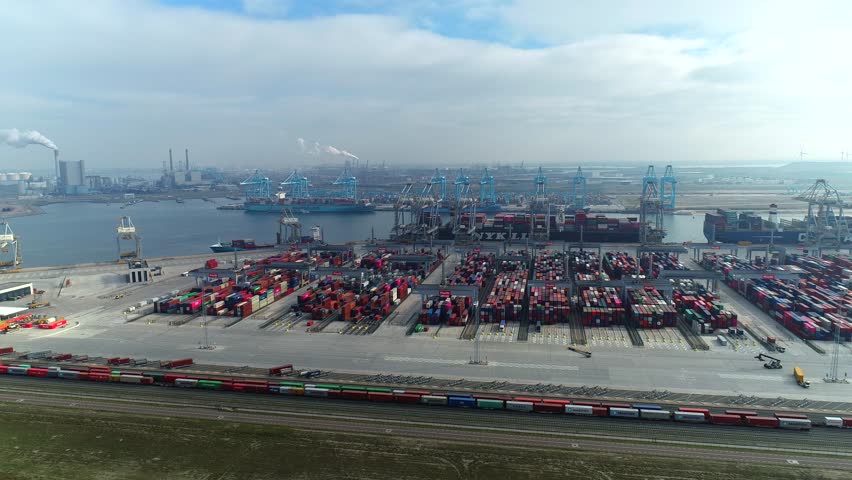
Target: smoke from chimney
{"x":171,"y":162}
{"x":18,"y":139}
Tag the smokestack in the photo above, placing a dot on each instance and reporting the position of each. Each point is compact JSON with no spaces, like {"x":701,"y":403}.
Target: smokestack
{"x":773,"y":215}
{"x":171,"y":162}
{"x":187,"y":159}
{"x":56,"y":162}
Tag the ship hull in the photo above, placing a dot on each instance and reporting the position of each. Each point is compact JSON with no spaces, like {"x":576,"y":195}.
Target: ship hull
{"x":308,"y":208}
{"x":501,"y":235}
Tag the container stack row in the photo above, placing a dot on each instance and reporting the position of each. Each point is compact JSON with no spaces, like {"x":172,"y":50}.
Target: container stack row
{"x":620,"y":265}
{"x":584,"y":266}
{"x":550,"y":266}
{"x":649,"y":309}
{"x":601,"y":306}
{"x":476,"y":268}
{"x":801,"y":309}
{"x":505,"y":302}
{"x":549,"y":304}
{"x":372,"y":300}
{"x":657,"y":263}
{"x":701,"y":309}
{"x":451,"y":310}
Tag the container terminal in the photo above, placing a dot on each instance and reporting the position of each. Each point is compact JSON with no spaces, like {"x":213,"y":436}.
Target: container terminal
{"x":535,"y":322}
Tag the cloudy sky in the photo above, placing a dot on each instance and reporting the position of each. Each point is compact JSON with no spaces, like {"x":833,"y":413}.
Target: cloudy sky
{"x":427,"y":81}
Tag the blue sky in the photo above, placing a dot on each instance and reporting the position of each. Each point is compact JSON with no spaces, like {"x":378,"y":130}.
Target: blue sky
{"x":428,"y":81}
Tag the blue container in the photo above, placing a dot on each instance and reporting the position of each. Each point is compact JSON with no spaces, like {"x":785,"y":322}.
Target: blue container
{"x":465,"y":402}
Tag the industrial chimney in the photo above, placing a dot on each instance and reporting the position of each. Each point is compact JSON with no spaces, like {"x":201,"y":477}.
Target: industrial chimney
{"x":187,"y":159}
{"x":171,"y":162}
{"x":56,"y":163}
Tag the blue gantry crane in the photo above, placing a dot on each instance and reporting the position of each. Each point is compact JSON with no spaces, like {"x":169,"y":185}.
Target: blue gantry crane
{"x":668,"y":188}
{"x":349,"y":183}
{"x":540,"y":184}
{"x":649,"y":179}
{"x":441,"y":182}
{"x":256,"y":186}
{"x":462,"y":185}
{"x":298,"y":185}
{"x":578,"y":190}
{"x":486,"y":189}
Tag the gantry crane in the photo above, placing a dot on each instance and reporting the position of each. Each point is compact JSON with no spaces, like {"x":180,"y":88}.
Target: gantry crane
{"x":650,"y":205}
{"x":441,"y":182}
{"x":486,"y":189}
{"x":348,"y":181}
{"x":289,"y":228}
{"x":540,"y":228}
{"x":256,"y":186}
{"x":10,"y":247}
{"x":649,"y":179}
{"x":826,"y":225}
{"x":668,"y":188}
{"x":578,"y":190}
{"x":298,"y":185}
{"x":404,"y":203}
{"x":126,"y":232}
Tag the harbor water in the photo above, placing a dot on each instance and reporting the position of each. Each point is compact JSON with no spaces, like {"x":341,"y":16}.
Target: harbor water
{"x":71,"y":233}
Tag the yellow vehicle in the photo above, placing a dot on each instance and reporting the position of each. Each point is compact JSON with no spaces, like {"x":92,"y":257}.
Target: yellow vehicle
{"x":799,"y":375}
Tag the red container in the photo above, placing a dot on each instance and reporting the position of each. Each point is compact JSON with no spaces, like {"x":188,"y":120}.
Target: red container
{"x":5,"y":350}
{"x":170,"y":377}
{"x":587,"y":404}
{"x":281,"y":369}
{"x":379,"y":396}
{"x":4,"y":368}
{"x":741,"y":413}
{"x":695,"y":410}
{"x":600,"y":411}
{"x":548,"y":408}
{"x":770,"y":422}
{"x":98,"y":377}
{"x":37,"y":372}
{"x":527,"y":399}
{"x":178,"y":363}
{"x":724,"y":419}
{"x":554,"y":401}
{"x":847,"y":422}
{"x":354,"y":395}
{"x":406,"y":398}
{"x":615,"y":405}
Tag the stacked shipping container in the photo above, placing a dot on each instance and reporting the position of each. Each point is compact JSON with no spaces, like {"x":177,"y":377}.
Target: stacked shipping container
{"x":601,"y":306}
{"x":649,"y":309}
{"x":505,"y":302}
{"x":701,"y":309}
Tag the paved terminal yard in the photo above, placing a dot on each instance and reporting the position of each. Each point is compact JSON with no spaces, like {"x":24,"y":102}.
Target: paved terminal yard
{"x":98,"y":325}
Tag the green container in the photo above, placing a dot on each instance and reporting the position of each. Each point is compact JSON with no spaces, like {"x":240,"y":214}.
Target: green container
{"x":379,"y":389}
{"x":418,"y":328}
{"x":210,"y":384}
{"x":158,"y":377}
{"x":292,"y":384}
{"x":328,"y":386}
{"x":353,"y":387}
{"x":489,"y":404}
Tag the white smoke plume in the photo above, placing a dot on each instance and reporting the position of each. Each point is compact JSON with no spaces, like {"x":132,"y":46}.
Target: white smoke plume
{"x":18,"y":139}
{"x":319,"y":148}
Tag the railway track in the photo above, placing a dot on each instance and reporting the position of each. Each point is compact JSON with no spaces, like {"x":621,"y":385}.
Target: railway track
{"x":817,"y":440}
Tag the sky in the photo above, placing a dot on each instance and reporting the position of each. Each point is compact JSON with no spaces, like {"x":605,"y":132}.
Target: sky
{"x":426,"y":82}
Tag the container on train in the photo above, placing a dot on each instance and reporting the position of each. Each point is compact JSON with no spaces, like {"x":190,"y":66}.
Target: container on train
{"x":315,"y":392}
{"x":492,"y":404}
{"x":433,"y":399}
{"x":725,"y":419}
{"x":770,"y":422}
{"x":794,"y":423}
{"x":623,"y":412}
{"x":548,"y":408}
{"x":655,"y":414}
{"x":694,"y":417}
{"x":578,"y":409}
{"x":834,"y":422}
{"x":467,"y":402}
{"x":186,"y":382}
{"x":517,"y":406}
{"x":647,"y":406}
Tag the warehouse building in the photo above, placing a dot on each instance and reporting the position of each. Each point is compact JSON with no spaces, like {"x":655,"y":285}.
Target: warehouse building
{"x":15,"y":291}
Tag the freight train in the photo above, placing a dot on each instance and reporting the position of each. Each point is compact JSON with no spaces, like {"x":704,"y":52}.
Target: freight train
{"x":429,"y":397}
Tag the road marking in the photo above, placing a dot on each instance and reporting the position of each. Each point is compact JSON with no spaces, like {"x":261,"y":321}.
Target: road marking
{"x":793,"y":462}
{"x":57,"y":333}
{"x":738,"y":376}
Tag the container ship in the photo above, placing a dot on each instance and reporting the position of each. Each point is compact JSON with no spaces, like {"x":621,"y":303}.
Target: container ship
{"x":562,"y":227}
{"x":239,"y":246}
{"x":728,"y":226}
{"x":308,"y":205}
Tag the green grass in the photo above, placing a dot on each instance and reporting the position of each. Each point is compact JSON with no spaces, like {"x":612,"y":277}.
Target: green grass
{"x":78,"y":444}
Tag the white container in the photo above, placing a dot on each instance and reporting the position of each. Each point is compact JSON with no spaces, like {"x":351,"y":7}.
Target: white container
{"x":578,"y":409}
{"x":655,"y":414}
{"x":624,"y":412}
{"x":836,"y":422}
{"x":434,"y":399}
{"x":186,"y":382}
{"x":693,"y":417}
{"x":519,"y":406}
{"x":315,"y":392}
{"x":130,"y":379}
{"x":794,"y":423}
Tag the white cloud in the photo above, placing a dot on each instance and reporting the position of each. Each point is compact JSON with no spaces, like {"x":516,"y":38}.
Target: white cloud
{"x":121,"y":82}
